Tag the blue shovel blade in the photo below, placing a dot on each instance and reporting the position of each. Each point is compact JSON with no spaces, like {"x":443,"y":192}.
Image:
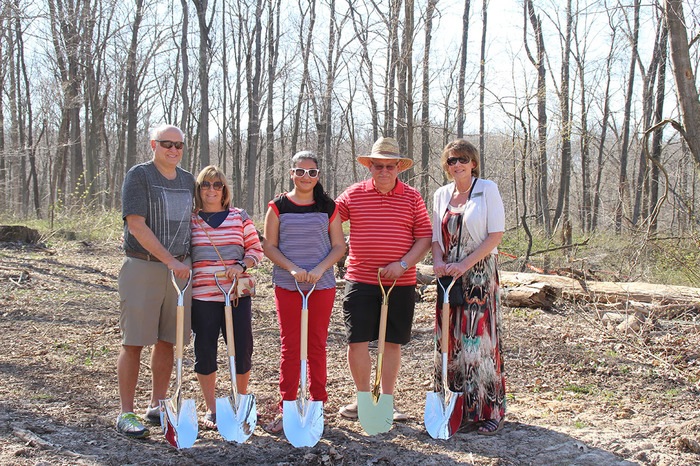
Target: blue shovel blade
{"x":375,"y":418}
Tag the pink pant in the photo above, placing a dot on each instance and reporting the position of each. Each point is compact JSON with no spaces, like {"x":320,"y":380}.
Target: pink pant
{"x":288,"y":304}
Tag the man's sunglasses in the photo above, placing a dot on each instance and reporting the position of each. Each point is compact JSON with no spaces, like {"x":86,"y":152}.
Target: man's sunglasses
{"x":312,"y":172}
{"x":169,"y":144}
{"x":453,"y":161}
{"x":217,"y":185}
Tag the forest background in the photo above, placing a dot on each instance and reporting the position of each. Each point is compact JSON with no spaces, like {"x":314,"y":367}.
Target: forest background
{"x":586,"y":113}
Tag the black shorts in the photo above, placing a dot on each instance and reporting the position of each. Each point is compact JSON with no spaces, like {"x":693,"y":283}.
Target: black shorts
{"x":362,"y":307}
{"x":208,"y":322}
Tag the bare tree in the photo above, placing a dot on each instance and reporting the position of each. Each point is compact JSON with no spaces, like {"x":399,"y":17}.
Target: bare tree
{"x":272,"y":54}
{"x":425,"y":101}
{"x":204,"y":60}
{"x":253,"y":71}
{"x":684,"y":76}
{"x":541,"y":164}
{"x":482,"y":86}
{"x":462,"y":69}
{"x":561,"y":211}
{"x":623,"y":187}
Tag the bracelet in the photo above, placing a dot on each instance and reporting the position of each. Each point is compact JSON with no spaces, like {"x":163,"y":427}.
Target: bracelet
{"x":242,"y":264}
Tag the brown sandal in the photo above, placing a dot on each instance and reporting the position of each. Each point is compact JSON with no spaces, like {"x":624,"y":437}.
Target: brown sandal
{"x":275,"y":426}
{"x":209,"y":421}
{"x":491,"y":426}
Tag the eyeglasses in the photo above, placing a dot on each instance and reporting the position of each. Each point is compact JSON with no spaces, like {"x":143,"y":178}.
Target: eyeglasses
{"x":453,"y":161}
{"x":312,"y":172}
{"x":169,"y":144}
{"x":379,"y":168}
{"x":217,"y":185}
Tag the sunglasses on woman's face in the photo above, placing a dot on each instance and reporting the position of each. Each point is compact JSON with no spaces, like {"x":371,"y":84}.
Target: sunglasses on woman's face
{"x":312,"y":172}
{"x":169,"y":144}
{"x":453,"y":161}
{"x":217,"y":185}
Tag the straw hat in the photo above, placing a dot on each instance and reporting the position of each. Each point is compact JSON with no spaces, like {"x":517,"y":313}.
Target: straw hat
{"x":386,"y":149}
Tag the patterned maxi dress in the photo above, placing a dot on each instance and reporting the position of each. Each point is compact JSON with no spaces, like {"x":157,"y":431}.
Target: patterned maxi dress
{"x":475,"y":364}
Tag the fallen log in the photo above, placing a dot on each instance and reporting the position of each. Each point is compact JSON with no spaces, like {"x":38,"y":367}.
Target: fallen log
{"x":607,"y":292}
{"x":535,"y":290}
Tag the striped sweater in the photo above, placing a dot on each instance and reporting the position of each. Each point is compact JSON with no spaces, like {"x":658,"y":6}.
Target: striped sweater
{"x":235,"y":239}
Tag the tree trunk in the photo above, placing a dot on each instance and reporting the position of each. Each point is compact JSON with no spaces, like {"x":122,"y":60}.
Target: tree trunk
{"x":204,"y":59}
{"x":482,"y":89}
{"x":562,"y":209}
{"x":622,"y":186}
{"x":541,"y":164}
{"x":462,"y":69}
{"x":253,"y":80}
{"x":683,"y":73}
{"x":425,"y":102}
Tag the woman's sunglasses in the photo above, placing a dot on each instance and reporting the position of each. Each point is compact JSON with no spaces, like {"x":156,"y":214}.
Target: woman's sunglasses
{"x":312,"y":172}
{"x":453,"y":161}
{"x":217,"y":185}
{"x":169,"y":144}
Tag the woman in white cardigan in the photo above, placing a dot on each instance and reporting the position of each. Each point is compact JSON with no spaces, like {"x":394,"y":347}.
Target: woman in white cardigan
{"x":468,"y":225}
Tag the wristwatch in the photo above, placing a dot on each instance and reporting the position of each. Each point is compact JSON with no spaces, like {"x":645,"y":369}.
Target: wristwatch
{"x":404,"y":265}
{"x":242,"y":264}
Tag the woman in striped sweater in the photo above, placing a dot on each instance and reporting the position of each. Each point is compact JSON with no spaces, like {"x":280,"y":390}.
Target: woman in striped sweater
{"x":224,"y":238}
{"x":303,"y":238}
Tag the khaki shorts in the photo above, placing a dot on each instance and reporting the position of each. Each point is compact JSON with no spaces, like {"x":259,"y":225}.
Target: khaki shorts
{"x":148,"y":303}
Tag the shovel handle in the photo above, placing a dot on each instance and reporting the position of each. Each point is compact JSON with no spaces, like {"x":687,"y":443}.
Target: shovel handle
{"x":304,"y":348}
{"x":445,"y":328}
{"x":180,"y":331}
{"x":230,"y":344}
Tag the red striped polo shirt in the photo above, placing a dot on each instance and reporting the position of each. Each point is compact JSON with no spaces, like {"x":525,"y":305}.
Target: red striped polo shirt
{"x":383,"y":228}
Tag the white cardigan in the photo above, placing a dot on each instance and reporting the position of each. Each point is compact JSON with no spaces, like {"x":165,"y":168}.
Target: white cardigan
{"x":483,"y":213}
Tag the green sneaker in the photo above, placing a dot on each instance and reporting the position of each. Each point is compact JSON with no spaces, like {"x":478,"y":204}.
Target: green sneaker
{"x":130,"y":425}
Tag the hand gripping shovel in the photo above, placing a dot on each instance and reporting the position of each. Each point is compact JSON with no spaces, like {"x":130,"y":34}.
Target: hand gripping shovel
{"x":179,"y":418}
{"x":302,"y":419}
{"x":440,"y":405}
{"x":236,"y":415}
{"x":376,"y":410}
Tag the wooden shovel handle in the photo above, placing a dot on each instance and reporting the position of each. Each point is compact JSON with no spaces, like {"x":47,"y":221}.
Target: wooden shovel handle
{"x":180,"y":331}
{"x":304,"y":349}
{"x":230,"y":344}
{"x":445,"y":328}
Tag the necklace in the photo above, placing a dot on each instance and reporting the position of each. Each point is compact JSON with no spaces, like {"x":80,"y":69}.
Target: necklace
{"x":206,"y":215}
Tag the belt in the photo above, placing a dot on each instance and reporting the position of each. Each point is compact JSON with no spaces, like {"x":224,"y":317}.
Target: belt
{"x":150,"y":257}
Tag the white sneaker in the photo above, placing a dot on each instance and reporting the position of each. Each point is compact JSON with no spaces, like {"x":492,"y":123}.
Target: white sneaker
{"x":152,"y":414}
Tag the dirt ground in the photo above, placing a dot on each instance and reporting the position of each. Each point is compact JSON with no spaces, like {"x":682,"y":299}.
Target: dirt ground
{"x":578,"y":393}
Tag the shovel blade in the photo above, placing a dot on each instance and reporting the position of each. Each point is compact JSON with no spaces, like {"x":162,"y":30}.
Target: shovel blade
{"x":302,"y":421}
{"x":442,"y":418}
{"x":375,"y":418}
{"x":236,"y":417}
{"x":180,"y":427}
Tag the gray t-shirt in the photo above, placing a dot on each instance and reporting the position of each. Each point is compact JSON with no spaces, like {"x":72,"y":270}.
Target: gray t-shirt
{"x":165,"y":204}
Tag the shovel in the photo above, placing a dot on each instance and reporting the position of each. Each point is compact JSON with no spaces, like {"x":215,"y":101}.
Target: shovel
{"x":302,"y":419}
{"x":179,"y":418}
{"x":236,"y":415}
{"x":440,"y":405}
{"x":374,"y":409}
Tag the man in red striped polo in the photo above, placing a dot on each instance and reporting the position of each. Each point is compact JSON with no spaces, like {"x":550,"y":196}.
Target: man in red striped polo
{"x":389,"y":229}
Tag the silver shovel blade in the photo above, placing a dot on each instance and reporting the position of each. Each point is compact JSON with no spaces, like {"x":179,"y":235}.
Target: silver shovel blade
{"x":237,"y":417}
{"x":302,"y":421}
{"x":375,"y":418}
{"x":180,"y":428}
{"x":441,"y":418}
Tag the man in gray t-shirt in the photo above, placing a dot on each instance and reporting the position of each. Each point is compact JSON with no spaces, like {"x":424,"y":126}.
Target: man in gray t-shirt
{"x":156,"y":207}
